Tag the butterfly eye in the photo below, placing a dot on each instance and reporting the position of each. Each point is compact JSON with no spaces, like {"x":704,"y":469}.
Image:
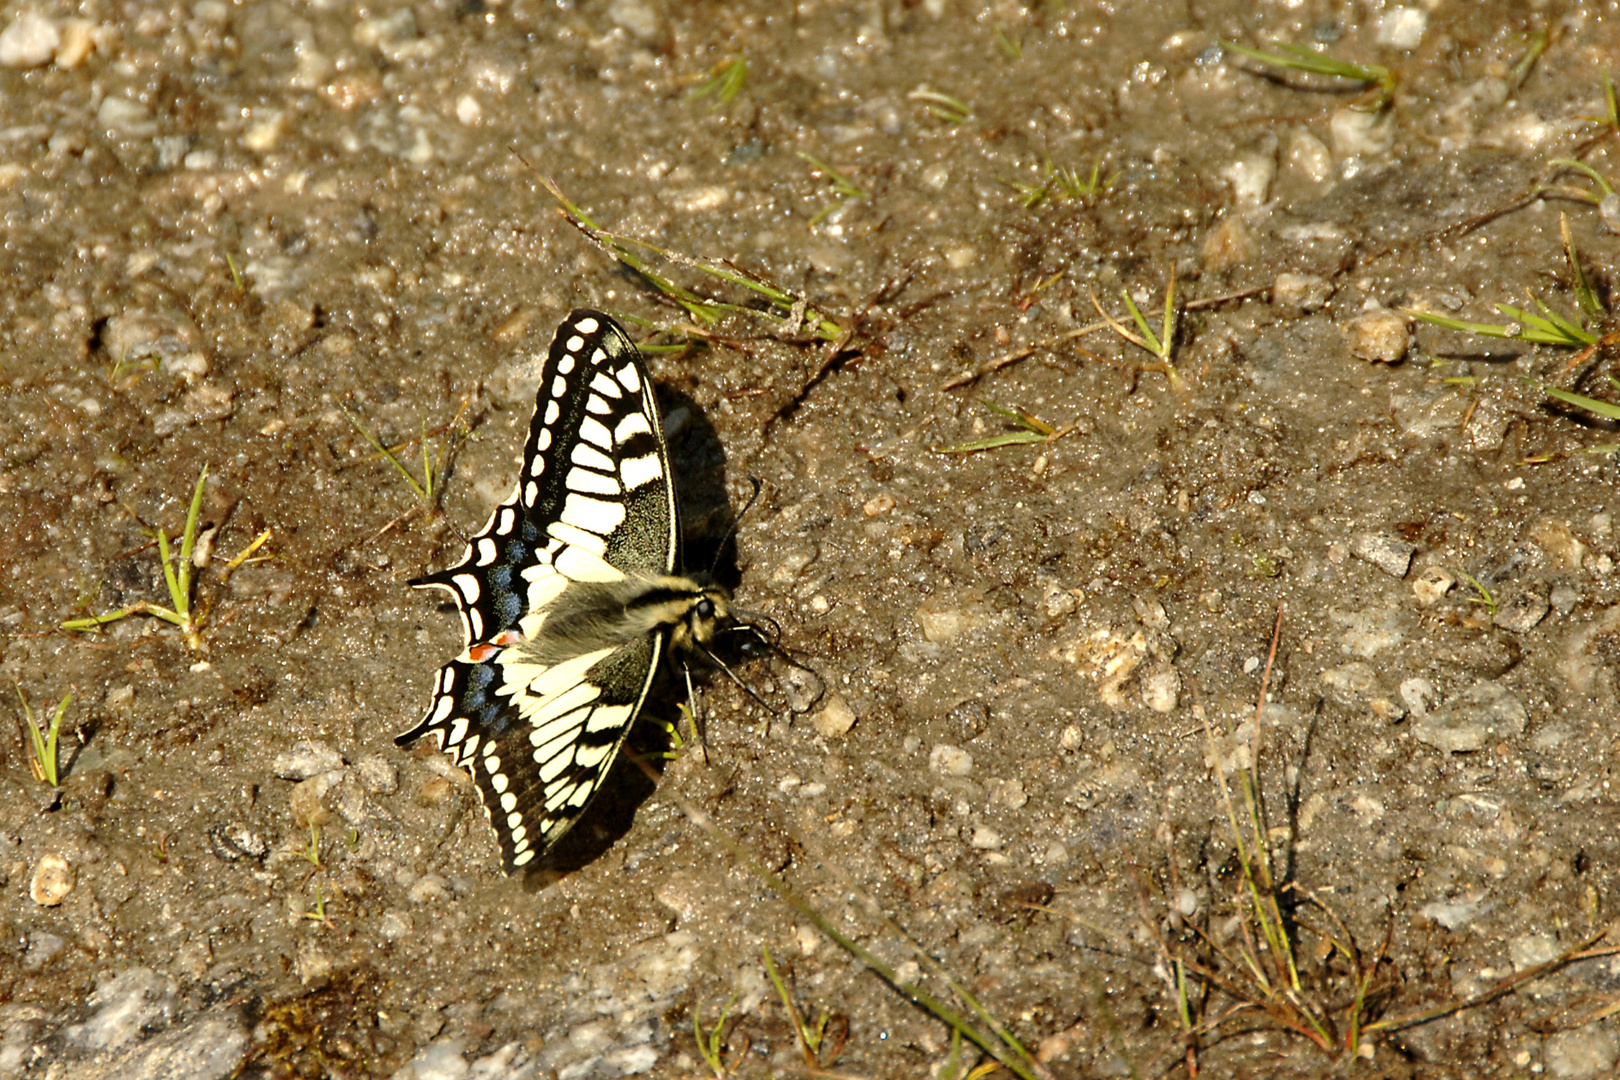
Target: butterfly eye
{"x":705,"y":609}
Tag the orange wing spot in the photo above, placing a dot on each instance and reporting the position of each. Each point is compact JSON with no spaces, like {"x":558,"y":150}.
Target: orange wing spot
{"x":479,"y":653}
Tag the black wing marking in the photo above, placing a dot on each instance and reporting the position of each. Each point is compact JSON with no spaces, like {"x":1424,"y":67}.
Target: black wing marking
{"x":593,"y":504}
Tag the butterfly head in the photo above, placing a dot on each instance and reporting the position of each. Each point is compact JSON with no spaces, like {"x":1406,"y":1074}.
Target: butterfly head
{"x":707,"y":614}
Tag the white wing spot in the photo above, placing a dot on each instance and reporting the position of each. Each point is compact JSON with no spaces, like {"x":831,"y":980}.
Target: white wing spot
{"x":559,"y":386}
{"x":553,"y":410}
{"x":590,"y":457}
{"x":606,"y":386}
{"x":634,"y":472}
{"x":486,"y":551}
{"x":631,"y":426}
{"x":581,"y":563}
{"x":590,"y":480}
{"x":586,"y":325}
{"x":531,"y":492}
{"x":523,"y":858}
{"x":542,"y":442}
{"x":598,"y":405}
{"x":576,"y":343}
{"x":629,"y":379}
{"x":467,"y":585}
{"x":577,"y":539}
{"x":498,"y":782}
{"x":508,"y":519}
{"x":594,"y":515}
{"x":607,"y":717}
{"x":566,"y":364}
{"x":595,"y":432}
{"x":458,"y":729}
{"x":475,"y":624}
{"x":591,"y":756}
{"x":537,"y":465}
{"x":509,"y":802}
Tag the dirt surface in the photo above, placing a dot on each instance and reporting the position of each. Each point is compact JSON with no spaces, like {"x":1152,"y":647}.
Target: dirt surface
{"x":226,"y":224}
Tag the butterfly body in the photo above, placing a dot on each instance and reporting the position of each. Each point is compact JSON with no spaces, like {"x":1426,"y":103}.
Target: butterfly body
{"x":569,"y":596}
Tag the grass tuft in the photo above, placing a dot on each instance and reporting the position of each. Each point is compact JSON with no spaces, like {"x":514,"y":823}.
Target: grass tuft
{"x":1061,"y":184}
{"x":725,"y":82}
{"x":42,"y":743}
{"x":176,"y":577}
{"x":942,"y":106}
{"x":1032,"y":429}
{"x":1161,"y":344}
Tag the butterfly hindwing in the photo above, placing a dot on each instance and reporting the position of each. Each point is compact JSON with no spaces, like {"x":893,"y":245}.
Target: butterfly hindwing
{"x":539,"y":701}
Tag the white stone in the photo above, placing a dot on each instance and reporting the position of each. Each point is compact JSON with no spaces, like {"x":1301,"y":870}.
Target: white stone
{"x":1402,"y":27}
{"x":30,"y":41}
{"x":950,"y":760}
{"x":834,"y":719}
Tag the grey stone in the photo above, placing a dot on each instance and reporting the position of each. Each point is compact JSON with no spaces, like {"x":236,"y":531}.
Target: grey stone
{"x":306,"y":758}
{"x":1583,"y":1052}
{"x":377,"y":775}
{"x":128,"y":1003}
{"x":1392,"y":556}
{"x":210,"y":1047}
{"x":1486,"y":710}
{"x":1564,"y":598}
{"x":1522,"y":611}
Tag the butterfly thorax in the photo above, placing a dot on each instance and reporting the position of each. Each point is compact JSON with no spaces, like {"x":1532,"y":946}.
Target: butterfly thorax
{"x":590,"y":616}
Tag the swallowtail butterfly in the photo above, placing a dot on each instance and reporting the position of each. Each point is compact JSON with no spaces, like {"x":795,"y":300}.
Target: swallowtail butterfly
{"x":568,"y":596}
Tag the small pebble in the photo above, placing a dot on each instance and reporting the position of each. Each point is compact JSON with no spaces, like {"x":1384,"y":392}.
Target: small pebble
{"x":1402,"y":27}
{"x":308,"y":798}
{"x":878,"y":504}
{"x":377,"y":775}
{"x":429,"y":887}
{"x":52,"y":880}
{"x":985,"y":838}
{"x":1431,"y":585}
{"x":234,"y":840}
{"x":1250,"y":177}
{"x":1582,"y":1053}
{"x":1380,"y":335}
{"x":1308,"y":157}
{"x":126,"y":118}
{"x":1392,"y":556}
{"x":950,"y":760}
{"x":1564,"y":598}
{"x":1302,"y":292}
{"x":834,"y":718}
{"x":1417,"y":692}
{"x":1161,"y":691}
{"x":803,"y":688}
{"x":1485,"y":712}
{"x":30,"y":41}
{"x":305,"y":759}
{"x":1356,"y":132}
{"x":1522,"y":612}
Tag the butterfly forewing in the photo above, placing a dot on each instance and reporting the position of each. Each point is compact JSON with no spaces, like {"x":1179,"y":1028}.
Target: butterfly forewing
{"x":537,"y":713}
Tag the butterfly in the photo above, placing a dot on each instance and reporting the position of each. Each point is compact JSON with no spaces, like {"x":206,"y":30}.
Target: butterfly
{"x":569,"y":596}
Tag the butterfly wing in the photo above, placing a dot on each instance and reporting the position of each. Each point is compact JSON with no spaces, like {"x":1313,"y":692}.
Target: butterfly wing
{"x":593,"y":506}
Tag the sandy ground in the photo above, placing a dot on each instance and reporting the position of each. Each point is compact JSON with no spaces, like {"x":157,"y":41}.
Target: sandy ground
{"x":226,"y":225}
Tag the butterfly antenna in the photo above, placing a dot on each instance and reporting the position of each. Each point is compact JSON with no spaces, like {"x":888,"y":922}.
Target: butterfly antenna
{"x":736,"y":520}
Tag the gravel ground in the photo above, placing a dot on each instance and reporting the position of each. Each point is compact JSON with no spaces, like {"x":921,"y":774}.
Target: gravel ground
{"x":237,"y":234}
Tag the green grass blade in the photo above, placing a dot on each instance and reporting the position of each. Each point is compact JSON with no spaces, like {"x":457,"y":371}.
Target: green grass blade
{"x":1602,"y":408}
{"x":1155,"y":346}
{"x":1006,"y":438}
{"x":421,"y":493}
{"x":1592,"y":174}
